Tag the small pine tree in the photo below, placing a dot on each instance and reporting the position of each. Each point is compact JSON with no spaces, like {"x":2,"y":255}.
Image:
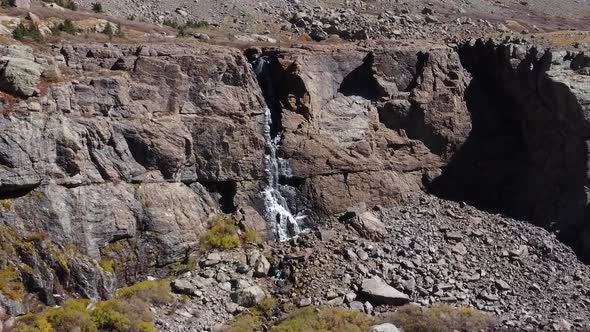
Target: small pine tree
{"x":97,"y":7}
{"x":23,"y":32}
{"x":68,"y":27}
{"x":108,"y":30}
{"x":20,"y":33}
{"x":35,"y":33}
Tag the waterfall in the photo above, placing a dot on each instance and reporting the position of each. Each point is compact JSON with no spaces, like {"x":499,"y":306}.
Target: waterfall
{"x":277,"y":213}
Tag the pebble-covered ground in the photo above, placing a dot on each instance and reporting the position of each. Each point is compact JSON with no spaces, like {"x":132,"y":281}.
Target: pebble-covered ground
{"x":362,"y":19}
{"x":435,"y":251}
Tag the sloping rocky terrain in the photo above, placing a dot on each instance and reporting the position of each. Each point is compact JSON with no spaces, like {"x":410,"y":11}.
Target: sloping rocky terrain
{"x":433,"y":250}
{"x":364,"y":19}
{"x":405,"y":160}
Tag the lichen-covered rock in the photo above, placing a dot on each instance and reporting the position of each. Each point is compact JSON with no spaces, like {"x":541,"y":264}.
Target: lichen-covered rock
{"x":248,"y":297}
{"x":19,"y":76}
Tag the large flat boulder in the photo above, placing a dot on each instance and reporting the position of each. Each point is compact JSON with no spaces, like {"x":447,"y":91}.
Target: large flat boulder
{"x":378,"y":291}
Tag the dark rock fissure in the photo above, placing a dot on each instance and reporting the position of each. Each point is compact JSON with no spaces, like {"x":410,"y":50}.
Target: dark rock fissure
{"x":226,"y":192}
{"x":526,"y":155}
{"x":361,"y":81}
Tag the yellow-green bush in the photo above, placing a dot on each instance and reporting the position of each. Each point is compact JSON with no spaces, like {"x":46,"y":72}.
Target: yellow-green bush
{"x":128,"y":311}
{"x":252,"y":236}
{"x":440,"y":318}
{"x":118,"y":315}
{"x":151,"y":291}
{"x":6,"y":204}
{"x":71,"y":316}
{"x":10,"y":284}
{"x":223,"y":233}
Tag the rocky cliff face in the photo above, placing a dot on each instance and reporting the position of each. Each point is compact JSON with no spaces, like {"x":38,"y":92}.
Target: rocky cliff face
{"x":129,"y":152}
{"x":364,"y":124}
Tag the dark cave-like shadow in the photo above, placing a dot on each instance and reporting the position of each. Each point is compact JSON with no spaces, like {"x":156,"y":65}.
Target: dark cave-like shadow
{"x":526,"y":156}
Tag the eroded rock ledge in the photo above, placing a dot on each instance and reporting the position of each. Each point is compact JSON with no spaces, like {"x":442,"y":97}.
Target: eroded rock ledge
{"x":129,"y":152}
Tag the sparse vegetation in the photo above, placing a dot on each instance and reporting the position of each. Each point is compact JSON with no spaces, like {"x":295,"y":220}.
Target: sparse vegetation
{"x":440,"y":318}
{"x":35,"y":237}
{"x":308,"y":319}
{"x":196,"y":24}
{"x":97,"y":8}
{"x":182,"y":29}
{"x":107,"y":265}
{"x":223,"y":233}
{"x":171,"y":23}
{"x":6,"y":204}
{"x":30,"y":32}
{"x":10,"y":283}
{"x":66,"y":26}
{"x":252,"y":236}
{"x":128,"y":311}
{"x":178,"y":268}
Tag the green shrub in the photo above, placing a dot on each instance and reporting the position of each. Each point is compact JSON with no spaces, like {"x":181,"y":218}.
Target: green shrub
{"x":118,"y":315}
{"x":108,"y":30}
{"x":32,"y":32}
{"x":66,"y":26}
{"x":223,"y":233}
{"x":10,"y":283}
{"x":440,"y":318}
{"x":33,"y":323}
{"x":72,"y":316}
{"x":97,"y":7}
{"x":151,"y":291}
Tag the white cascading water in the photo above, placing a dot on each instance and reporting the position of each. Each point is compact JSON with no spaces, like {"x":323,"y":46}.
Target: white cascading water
{"x":286,"y":226}
{"x":277,"y":212}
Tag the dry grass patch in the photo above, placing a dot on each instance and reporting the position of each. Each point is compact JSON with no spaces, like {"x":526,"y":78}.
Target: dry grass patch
{"x":128,"y":311}
{"x":439,"y":318}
